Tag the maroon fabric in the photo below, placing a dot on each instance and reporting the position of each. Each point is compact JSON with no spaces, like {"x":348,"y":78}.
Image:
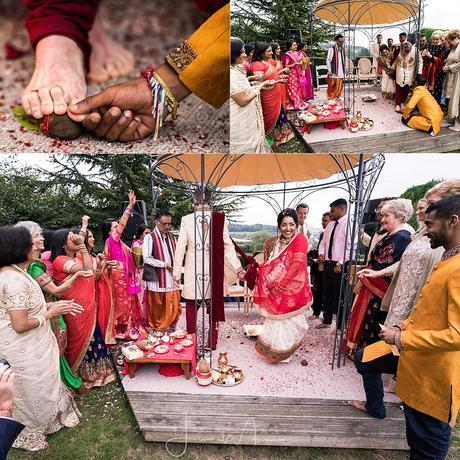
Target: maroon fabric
{"x":69,"y":18}
{"x":217,"y":266}
{"x":211,"y":6}
{"x":251,"y":269}
{"x":401,"y":94}
{"x":190,"y":317}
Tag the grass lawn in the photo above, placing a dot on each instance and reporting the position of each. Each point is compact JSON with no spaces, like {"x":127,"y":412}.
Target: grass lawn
{"x":108,"y":430}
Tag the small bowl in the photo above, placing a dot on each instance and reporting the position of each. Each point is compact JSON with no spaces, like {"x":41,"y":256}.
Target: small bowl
{"x":178,"y":347}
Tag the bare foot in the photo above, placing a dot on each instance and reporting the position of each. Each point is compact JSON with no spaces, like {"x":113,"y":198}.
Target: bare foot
{"x":108,"y":60}
{"x":398,"y":109}
{"x":58,"y":78}
{"x":358,"y":405}
{"x":455,"y":128}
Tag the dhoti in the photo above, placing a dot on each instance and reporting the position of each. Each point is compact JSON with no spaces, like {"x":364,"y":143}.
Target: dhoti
{"x":334,"y":87}
{"x":163,"y":309}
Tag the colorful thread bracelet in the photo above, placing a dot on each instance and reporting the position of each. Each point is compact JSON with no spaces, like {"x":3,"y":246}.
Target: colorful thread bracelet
{"x":163,"y":99}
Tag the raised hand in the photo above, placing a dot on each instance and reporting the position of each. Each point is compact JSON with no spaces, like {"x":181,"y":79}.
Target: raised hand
{"x":132,"y":199}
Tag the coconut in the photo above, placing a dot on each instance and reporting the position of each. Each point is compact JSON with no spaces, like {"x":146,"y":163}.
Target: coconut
{"x":61,"y":127}
{"x":203,"y":366}
{"x":354,"y":121}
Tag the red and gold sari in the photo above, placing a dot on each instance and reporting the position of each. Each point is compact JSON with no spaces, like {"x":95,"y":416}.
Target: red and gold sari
{"x":296,"y":76}
{"x":370,"y":287}
{"x":86,"y":351}
{"x":282,"y":296}
{"x":275,"y":119}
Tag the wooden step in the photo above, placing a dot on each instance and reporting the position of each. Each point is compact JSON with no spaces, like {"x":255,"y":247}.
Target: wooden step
{"x":259,"y":420}
{"x":399,"y":142}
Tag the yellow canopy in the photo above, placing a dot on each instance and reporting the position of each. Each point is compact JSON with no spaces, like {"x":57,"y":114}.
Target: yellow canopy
{"x":227,"y":170}
{"x":366,"y":12}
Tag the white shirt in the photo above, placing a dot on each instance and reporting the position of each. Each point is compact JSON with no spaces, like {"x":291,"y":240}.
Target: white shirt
{"x":340,"y":246}
{"x":305,"y":229}
{"x":147,"y":247}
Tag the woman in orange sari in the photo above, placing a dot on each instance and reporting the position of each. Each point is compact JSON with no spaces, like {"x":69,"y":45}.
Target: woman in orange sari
{"x":283,"y":293}
{"x":126,"y":319}
{"x":104,"y":297}
{"x":366,"y":315}
{"x":275,"y":120}
{"x":86,"y":351}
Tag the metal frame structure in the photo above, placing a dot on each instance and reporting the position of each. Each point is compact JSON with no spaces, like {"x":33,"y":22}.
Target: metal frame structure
{"x":350,"y":26}
{"x":358,"y":181}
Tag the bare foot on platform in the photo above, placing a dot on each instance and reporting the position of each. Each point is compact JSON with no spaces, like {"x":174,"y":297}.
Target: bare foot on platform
{"x":358,"y":405}
{"x":108,"y":60}
{"x":58,"y":78}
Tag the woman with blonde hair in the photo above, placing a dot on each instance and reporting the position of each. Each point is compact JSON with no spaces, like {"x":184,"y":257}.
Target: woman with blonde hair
{"x":452,"y":71}
{"x":367,"y":314}
{"x":434,"y":57}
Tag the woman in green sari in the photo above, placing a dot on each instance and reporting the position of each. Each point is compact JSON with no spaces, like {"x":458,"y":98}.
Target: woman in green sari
{"x":38,"y":271}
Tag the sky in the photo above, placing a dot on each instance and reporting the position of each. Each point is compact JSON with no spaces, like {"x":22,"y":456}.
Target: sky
{"x":439,"y":14}
{"x":400,"y":172}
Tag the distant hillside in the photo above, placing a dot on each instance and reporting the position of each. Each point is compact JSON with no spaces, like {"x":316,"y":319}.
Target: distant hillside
{"x":234,"y":228}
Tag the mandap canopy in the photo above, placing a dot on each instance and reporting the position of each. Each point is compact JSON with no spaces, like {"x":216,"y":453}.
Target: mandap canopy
{"x":367,"y":12}
{"x":224,"y":170}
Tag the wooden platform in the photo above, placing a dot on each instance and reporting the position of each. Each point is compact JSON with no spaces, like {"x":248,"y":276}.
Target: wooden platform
{"x":393,"y":142}
{"x":274,"y":421}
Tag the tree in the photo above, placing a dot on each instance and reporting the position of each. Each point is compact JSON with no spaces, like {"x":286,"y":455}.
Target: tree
{"x":428,"y":32}
{"x":416,"y":193}
{"x":269,"y":20}
{"x":257,"y":241}
{"x":94,"y":185}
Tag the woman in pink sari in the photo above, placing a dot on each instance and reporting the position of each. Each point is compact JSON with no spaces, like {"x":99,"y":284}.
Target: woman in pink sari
{"x":86,"y":351}
{"x":306,"y":84}
{"x":291,"y":60}
{"x":283,"y":293}
{"x":126,"y":319}
{"x":275,"y":120}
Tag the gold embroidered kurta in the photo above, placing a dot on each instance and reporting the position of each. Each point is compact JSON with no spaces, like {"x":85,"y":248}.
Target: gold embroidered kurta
{"x":202,"y":60}
{"x":428,"y":377}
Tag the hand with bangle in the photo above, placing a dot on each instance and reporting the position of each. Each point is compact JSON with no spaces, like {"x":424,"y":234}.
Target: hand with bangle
{"x":84,"y":226}
{"x":133,"y":110}
{"x":7,"y":391}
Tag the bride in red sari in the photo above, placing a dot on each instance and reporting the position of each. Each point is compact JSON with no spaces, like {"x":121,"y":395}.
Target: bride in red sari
{"x":283,"y":293}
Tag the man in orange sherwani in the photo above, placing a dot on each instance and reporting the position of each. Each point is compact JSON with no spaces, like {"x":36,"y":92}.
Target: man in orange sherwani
{"x":428,"y":116}
{"x":428,"y":374}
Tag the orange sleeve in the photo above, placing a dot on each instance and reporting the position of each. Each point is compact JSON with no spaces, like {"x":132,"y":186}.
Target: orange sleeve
{"x":202,"y":61}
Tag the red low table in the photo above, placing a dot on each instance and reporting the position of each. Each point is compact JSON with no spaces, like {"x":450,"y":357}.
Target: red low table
{"x":339,"y":117}
{"x":186,"y":358}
